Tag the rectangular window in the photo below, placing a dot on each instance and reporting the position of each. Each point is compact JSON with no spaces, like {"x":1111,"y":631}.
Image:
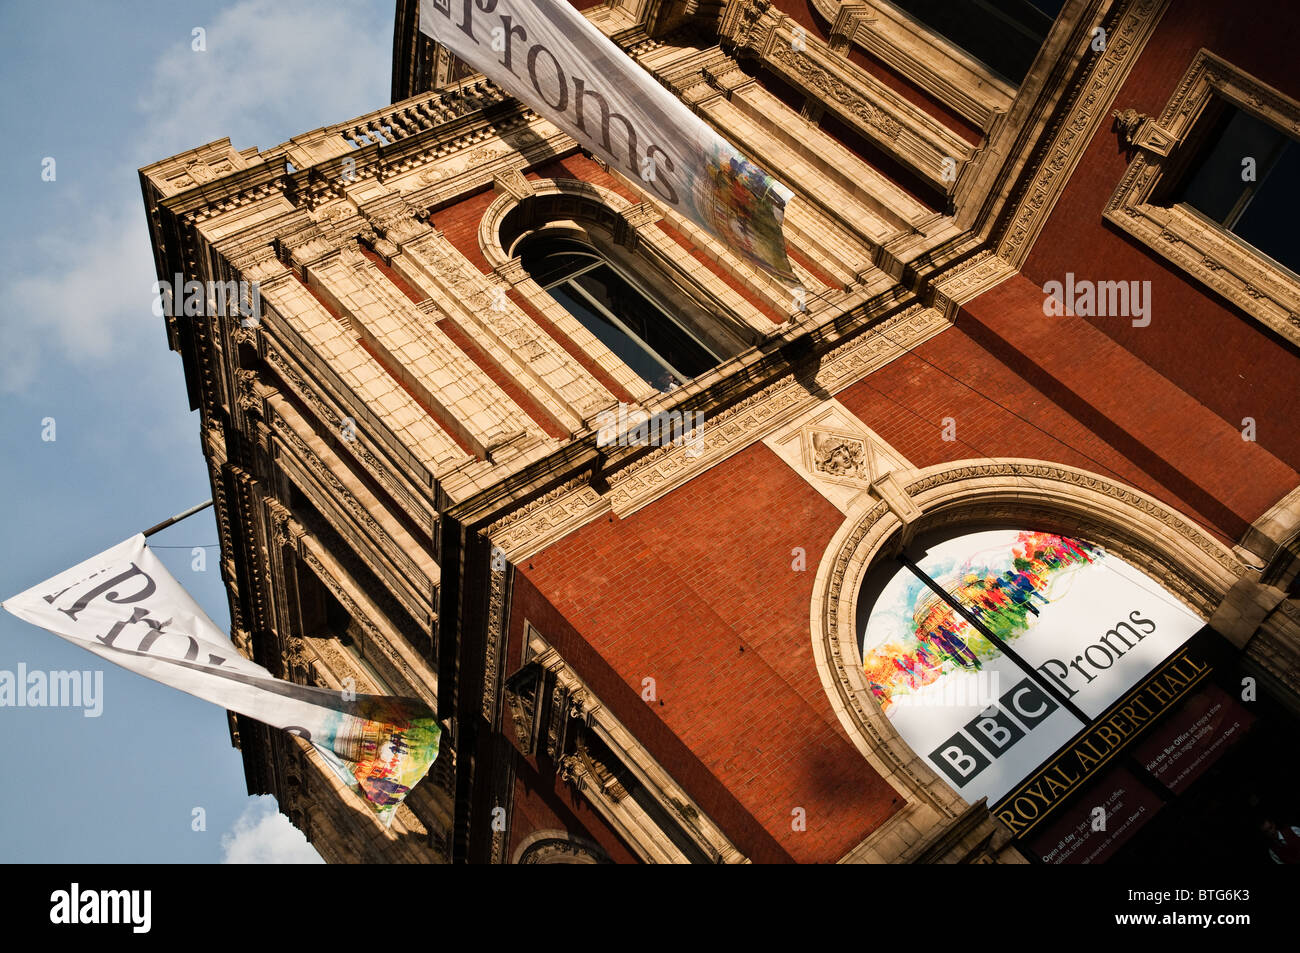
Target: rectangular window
{"x":1210,"y":187}
{"x":1243,"y":178}
{"x":1005,"y":35}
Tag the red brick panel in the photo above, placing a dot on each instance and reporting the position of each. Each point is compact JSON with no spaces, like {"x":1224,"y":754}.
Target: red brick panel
{"x":1020,"y":384}
{"x":624,"y":700}
{"x":460,"y":221}
{"x":1222,"y":357}
{"x":697,"y":592}
{"x":543,"y":804}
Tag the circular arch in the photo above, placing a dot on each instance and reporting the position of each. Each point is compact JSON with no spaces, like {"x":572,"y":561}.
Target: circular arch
{"x":559,"y":847}
{"x":971,"y":495}
{"x":600,"y":217}
{"x":551,"y":201}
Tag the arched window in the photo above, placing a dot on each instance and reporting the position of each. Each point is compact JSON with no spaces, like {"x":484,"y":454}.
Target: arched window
{"x":991,"y":649}
{"x":617,"y":310}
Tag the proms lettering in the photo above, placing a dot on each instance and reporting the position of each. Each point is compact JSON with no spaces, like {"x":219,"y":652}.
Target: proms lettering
{"x":549,"y":56}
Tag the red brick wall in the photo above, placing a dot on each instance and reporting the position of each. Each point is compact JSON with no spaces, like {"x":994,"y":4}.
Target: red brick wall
{"x":1222,"y":357}
{"x":543,"y":804}
{"x":697,"y":591}
{"x":1019,"y":384}
{"x":459,"y":222}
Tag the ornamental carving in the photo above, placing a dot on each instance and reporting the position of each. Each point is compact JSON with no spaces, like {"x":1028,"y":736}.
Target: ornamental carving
{"x":834,"y":89}
{"x":354,"y":506}
{"x":493,"y":640}
{"x":534,"y":525}
{"x":562,"y":849}
{"x":389,"y":480}
{"x":838,"y":456}
{"x":1065,"y":139}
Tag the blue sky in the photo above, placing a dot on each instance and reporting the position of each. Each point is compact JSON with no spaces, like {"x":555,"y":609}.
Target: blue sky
{"x":104,"y":89}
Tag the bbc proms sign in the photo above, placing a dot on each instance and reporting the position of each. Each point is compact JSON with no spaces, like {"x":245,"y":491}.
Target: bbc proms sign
{"x":1090,"y":624}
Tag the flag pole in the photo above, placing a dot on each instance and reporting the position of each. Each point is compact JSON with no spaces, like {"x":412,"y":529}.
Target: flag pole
{"x":177,"y":518}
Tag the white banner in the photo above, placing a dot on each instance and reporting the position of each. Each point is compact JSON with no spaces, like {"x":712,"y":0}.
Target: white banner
{"x":547,"y":55}
{"x":125,"y":606}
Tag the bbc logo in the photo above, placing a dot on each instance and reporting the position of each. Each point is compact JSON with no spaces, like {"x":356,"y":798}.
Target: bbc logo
{"x":994,"y":732}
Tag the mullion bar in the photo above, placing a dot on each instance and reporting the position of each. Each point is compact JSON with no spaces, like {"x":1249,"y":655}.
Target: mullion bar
{"x":1005,"y":649}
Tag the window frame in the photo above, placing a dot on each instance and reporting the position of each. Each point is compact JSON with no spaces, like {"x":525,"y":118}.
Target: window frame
{"x":927,"y":59}
{"x":599,"y":258}
{"x":955,"y":50}
{"x":1144,"y":207}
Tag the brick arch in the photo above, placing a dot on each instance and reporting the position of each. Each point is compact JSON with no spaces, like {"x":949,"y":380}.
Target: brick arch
{"x":970,"y":495}
{"x":511,"y":216}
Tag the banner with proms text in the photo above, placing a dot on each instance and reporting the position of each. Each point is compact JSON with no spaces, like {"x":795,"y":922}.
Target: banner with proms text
{"x":547,"y":55}
{"x":124,"y":606}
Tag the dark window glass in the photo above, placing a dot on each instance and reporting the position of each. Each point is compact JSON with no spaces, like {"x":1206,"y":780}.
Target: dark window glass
{"x":642,"y":333}
{"x":1003,"y":34}
{"x":1257,"y":211}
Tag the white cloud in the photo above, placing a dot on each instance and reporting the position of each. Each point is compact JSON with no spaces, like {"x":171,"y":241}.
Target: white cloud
{"x":273,"y":69}
{"x":94,"y":301}
{"x":262,"y":835}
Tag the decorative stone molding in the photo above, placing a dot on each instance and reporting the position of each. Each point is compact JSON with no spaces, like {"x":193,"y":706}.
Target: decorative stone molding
{"x":968,"y":280}
{"x":1172,"y":549}
{"x":837,"y":454}
{"x":413,"y":675}
{"x":388,"y":476}
{"x":558,"y":847}
{"x":927,"y":60}
{"x":1274,"y":539}
{"x":1067,"y":136}
{"x":549,"y":200}
{"x":494,"y":638}
{"x":851,"y":18}
{"x":882,"y":115}
{"x":361,"y":512}
{"x":1205,"y":250}
{"x":531,"y":528}
{"x":1128,"y":126}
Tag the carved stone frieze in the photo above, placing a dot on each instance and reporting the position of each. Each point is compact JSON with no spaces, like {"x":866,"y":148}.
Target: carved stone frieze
{"x":343,"y":495}
{"x":308,"y":392}
{"x":494,"y":640}
{"x":838,"y":91}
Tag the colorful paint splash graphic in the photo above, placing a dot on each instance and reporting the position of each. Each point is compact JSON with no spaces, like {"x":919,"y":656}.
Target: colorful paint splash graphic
{"x":738,"y":199}
{"x":1003,"y":588}
{"x":382,"y":750}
